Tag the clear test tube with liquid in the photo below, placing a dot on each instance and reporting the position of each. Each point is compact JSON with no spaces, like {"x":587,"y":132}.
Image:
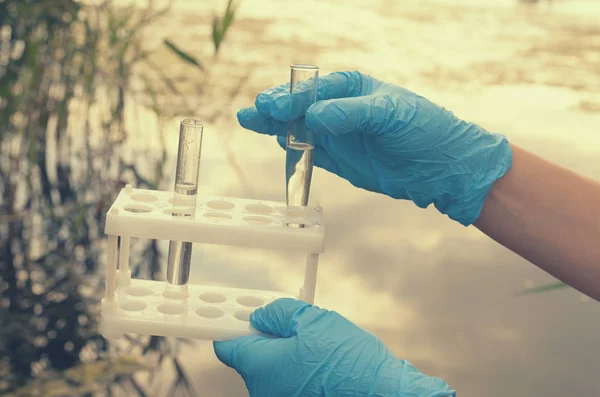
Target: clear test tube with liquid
{"x":300,"y":141}
{"x":184,"y":202}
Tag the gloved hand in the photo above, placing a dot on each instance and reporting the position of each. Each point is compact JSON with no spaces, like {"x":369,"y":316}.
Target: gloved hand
{"x":389,"y":140}
{"x":313,"y":352}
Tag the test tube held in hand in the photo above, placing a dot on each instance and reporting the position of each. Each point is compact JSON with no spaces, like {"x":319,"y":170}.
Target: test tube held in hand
{"x":186,"y":189}
{"x":300,"y":141}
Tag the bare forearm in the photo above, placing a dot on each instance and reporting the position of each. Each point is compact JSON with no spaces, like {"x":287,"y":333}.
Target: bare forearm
{"x":550,"y":216}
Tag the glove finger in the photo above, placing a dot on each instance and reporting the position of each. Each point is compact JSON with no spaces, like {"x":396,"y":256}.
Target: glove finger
{"x":346,"y":84}
{"x":278,"y":317}
{"x":280,"y":105}
{"x":228,"y":352}
{"x":259,"y":360}
{"x":286,"y":106}
{"x":321,"y":158}
{"x":252,"y":119}
{"x":263,"y":99}
{"x":415,"y":383}
{"x":370,"y":114}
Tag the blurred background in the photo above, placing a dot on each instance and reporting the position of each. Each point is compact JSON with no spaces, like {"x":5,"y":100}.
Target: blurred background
{"x":91,"y":94}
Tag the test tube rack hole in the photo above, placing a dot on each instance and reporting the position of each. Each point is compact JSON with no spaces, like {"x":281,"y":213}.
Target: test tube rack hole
{"x":199,"y":312}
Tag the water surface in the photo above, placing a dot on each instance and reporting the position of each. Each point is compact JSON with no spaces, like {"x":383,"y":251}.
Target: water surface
{"x":438,"y":294}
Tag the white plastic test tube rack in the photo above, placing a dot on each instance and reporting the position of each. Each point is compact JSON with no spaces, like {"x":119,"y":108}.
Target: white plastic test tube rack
{"x":201,"y":312}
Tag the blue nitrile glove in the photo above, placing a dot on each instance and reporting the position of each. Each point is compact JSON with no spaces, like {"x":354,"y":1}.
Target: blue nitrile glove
{"x":386,"y":139}
{"x":313,"y":352}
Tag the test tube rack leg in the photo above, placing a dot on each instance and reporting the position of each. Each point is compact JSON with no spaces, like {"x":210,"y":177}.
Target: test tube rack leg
{"x":200,"y":312}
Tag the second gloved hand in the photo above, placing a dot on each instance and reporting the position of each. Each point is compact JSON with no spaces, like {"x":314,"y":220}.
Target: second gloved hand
{"x":312,"y":352}
{"x":389,"y":140}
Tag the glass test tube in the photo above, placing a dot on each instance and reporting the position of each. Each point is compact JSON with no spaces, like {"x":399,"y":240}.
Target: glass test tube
{"x":300,"y":141}
{"x":186,"y":188}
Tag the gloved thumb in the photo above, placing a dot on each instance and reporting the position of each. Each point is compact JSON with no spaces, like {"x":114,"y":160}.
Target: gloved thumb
{"x":370,"y":114}
{"x":228,"y":351}
{"x":279,"y":318}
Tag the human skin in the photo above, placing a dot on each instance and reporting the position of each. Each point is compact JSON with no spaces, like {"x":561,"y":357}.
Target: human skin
{"x":550,"y":216}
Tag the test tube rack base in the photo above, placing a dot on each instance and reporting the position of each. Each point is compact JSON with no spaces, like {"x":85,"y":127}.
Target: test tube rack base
{"x":204,"y":312}
{"x":199,"y":312}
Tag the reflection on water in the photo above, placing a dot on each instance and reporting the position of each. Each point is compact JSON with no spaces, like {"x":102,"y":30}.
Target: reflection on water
{"x":438,"y":294}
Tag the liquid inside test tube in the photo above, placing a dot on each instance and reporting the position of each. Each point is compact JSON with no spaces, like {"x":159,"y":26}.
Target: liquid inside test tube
{"x":186,"y":189}
{"x":298,"y":170}
{"x":300,"y":141}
